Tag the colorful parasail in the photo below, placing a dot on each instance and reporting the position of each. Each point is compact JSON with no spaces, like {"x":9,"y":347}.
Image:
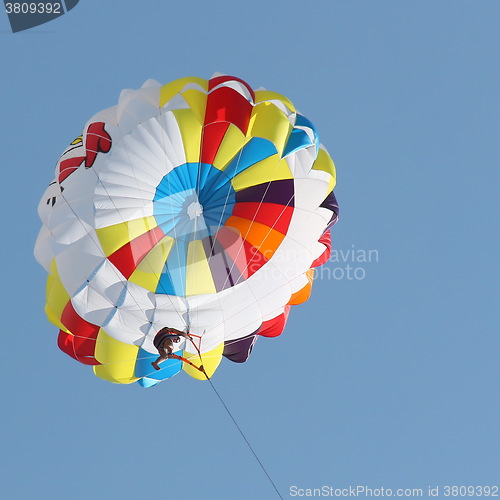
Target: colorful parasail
{"x":199,"y":204}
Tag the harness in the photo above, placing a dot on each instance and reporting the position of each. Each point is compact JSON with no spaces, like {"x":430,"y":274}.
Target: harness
{"x":163,"y":335}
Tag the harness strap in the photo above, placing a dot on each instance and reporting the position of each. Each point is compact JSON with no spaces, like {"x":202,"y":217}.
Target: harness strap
{"x":175,"y":356}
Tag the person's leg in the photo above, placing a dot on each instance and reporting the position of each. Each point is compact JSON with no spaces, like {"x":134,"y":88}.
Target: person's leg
{"x":163,"y":356}
{"x":169,"y":346}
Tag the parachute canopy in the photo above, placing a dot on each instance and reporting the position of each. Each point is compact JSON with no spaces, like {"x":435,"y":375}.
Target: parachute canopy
{"x":198,"y":204}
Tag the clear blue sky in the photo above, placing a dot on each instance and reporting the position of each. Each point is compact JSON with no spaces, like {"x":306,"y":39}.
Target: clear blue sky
{"x":405,"y":96}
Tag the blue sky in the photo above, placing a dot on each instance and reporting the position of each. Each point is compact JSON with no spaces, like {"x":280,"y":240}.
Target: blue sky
{"x":405,"y":98}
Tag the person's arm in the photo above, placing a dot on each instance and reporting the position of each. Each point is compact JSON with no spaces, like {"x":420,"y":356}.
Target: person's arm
{"x":179,"y":332}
